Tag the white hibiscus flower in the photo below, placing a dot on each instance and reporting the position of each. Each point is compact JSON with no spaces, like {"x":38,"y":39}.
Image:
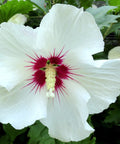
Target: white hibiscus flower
{"x":48,"y":73}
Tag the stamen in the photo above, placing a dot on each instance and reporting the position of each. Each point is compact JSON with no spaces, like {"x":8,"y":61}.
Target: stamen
{"x":50,"y":74}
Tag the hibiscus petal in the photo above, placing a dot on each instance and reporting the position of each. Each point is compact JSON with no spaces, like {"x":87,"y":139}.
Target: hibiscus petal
{"x":15,"y":42}
{"x":69,"y":27}
{"x":12,"y":72}
{"x":67,"y":115}
{"x":21,"y":107}
{"x":99,"y":63}
{"x":102,"y":83}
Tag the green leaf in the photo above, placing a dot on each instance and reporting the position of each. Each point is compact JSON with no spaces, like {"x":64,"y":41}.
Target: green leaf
{"x":38,"y":134}
{"x":99,"y":56}
{"x":40,"y":4}
{"x":115,"y":28}
{"x":5,"y":140}
{"x":90,"y":121}
{"x":113,"y":115}
{"x":45,"y":138}
{"x":13,"y":7}
{"x":11,"y":132}
{"x":90,"y":140}
{"x":103,"y":19}
{"x":86,"y":3}
{"x":114,"y":2}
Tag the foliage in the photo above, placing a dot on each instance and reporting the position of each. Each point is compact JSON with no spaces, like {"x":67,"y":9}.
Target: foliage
{"x":115,"y":28}
{"x":11,"y":132}
{"x":113,"y":113}
{"x":40,"y":4}
{"x":13,"y":7}
{"x":86,"y":4}
{"x":36,"y":134}
{"x":103,"y":19}
{"x":34,"y":18}
{"x":114,"y":2}
{"x":39,"y":134}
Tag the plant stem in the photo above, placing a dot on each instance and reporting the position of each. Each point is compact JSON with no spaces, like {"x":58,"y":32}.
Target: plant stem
{"x":107,"y":31}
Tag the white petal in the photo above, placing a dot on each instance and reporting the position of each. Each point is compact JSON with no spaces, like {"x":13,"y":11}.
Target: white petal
{"x":67,"y":115}
{"x":69,"y":27}
{"x":12,"y":72}
{"x":99,"y":63}
{"x":21,"y":107}
{"x":15,"y":42}
{"x":103,"y":84}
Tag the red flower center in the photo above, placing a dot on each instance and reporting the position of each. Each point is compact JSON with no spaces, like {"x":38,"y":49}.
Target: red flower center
{"x":51,"y":72}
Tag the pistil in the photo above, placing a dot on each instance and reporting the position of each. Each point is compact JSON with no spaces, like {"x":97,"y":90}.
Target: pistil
{"x":50,"y":74}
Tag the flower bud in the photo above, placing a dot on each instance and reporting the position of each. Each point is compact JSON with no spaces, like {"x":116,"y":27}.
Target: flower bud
{"x":94,"y":6}
{"x":114,"y":53}
{"x":18,"y":19}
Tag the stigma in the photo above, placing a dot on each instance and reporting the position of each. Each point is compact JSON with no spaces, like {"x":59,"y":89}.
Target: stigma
{"x":50,"y":74}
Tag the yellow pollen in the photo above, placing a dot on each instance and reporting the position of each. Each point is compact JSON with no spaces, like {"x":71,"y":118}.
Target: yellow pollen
{"x":50,"y":73}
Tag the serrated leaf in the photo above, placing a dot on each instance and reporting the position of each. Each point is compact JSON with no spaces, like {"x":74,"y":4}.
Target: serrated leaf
{"x":115,"y":28}
{"x":11,"y":132}
{"x":40,"y":3}
{"x":38,"y":134}
{"x":102,"y":18}
{"x":13,"y":7}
